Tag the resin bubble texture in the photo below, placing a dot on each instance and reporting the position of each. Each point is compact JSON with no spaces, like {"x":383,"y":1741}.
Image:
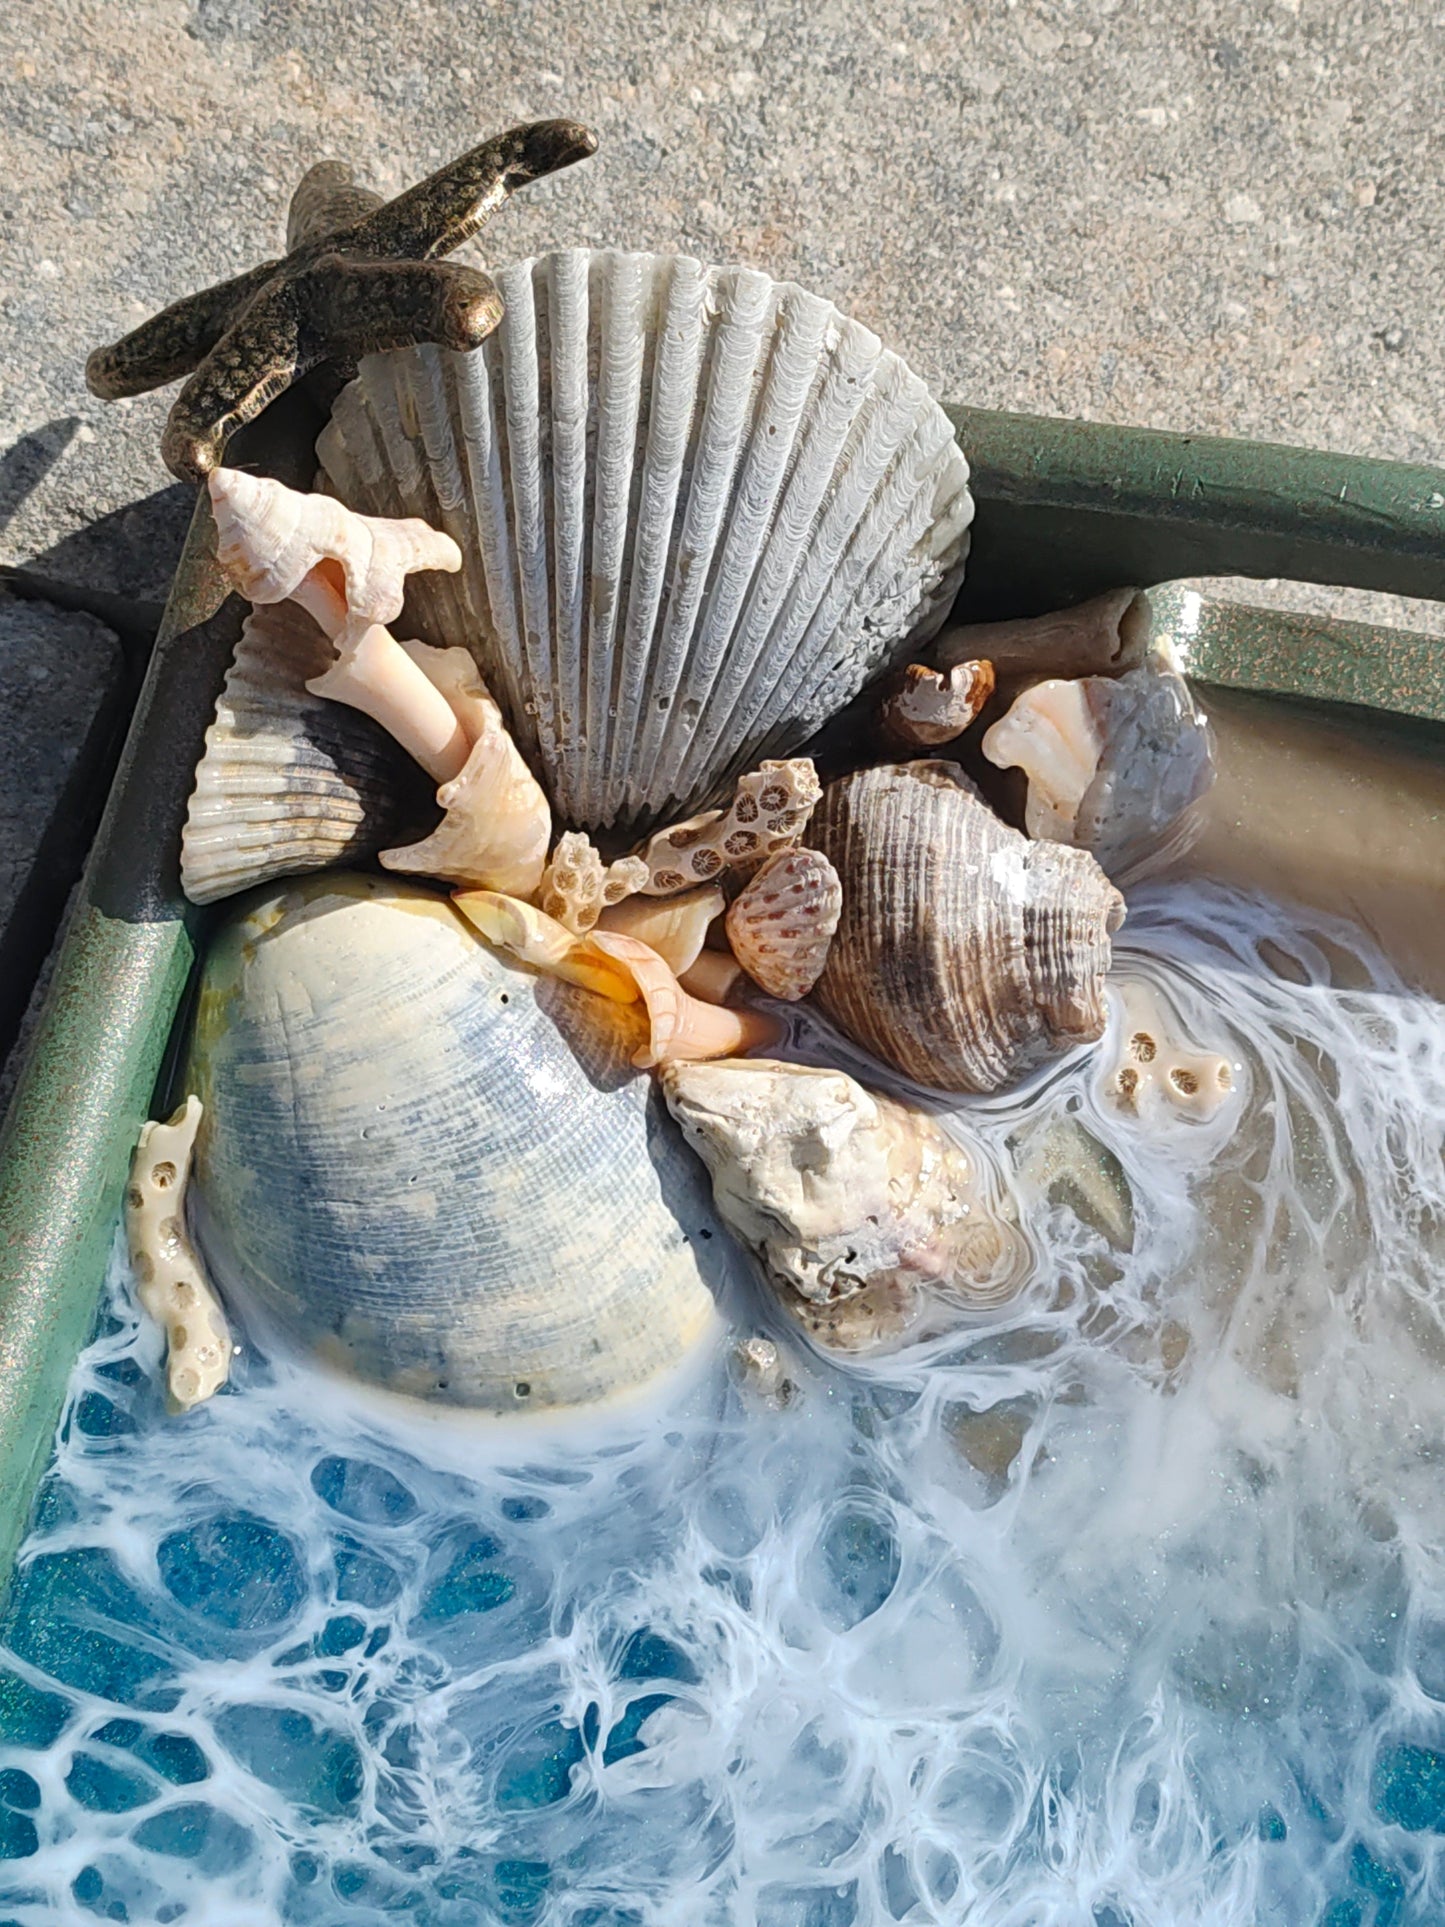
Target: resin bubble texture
{"x":1122,"y":1608}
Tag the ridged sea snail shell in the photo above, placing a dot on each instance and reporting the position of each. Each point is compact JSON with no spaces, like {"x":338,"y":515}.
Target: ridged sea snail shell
{"x":432,"y":1169}
{"x":965,"y":955}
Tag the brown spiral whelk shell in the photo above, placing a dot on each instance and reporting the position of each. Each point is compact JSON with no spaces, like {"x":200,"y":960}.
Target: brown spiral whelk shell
{"x":966,"y":955}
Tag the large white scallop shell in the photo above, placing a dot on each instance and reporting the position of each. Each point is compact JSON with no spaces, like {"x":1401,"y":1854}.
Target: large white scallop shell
{"x":697,"y":509}
{"x":432,"y":1169}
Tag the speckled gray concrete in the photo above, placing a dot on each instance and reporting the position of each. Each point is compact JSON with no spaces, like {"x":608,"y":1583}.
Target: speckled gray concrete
{"x":1213,"y":215}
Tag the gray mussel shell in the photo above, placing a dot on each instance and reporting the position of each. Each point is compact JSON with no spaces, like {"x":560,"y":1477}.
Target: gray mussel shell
{"x":431,"y":1169}
{"x":698,"y":510}
{"x":290,"y":782}
{"x":966,"y":955}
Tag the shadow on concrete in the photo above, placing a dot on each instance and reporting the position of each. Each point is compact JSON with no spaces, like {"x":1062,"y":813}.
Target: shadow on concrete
{"x":26,"y":463}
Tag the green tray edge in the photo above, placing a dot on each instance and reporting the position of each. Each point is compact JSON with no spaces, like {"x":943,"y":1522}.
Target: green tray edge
{"x":1065,"y":509}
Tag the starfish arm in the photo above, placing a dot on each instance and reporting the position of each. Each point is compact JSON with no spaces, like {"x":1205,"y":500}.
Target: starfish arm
{"x":328,"y":197}
{"x":362,"y":307}
{"x":174,"y":341}
{"x":447,"y":208}
{"x":248,"y":367}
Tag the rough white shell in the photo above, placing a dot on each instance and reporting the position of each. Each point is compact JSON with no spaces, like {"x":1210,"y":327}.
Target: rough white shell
{"x":698,"y":509}
{"x":432,"y":1169}
{"x":861,"y":1208}
{"x":290,"y":782}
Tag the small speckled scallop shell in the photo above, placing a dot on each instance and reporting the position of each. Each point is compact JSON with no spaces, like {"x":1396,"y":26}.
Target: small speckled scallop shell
{"x":698,"y":510}
{"x":965,"y":955}
{"x":781,"y":925}
{"x":432,"y":1169}
{"x":290,"y":782}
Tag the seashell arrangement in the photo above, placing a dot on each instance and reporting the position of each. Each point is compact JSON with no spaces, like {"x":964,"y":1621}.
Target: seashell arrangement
{"x":409,"y":1145}
{"x":966,"y":955}
{"x":698,"y":510}
{"x":861,"y":1208}
{"x":662,"y":527}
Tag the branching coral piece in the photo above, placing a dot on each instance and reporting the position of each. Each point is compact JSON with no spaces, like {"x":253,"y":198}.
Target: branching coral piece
{"x":359,"y":278}
{"x":172,"y":1286}
{"x":577,"y":886}
{"x":769,"y":811}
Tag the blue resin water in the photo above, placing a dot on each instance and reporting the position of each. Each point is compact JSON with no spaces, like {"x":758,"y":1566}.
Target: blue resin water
{"x":1123,"y":1609}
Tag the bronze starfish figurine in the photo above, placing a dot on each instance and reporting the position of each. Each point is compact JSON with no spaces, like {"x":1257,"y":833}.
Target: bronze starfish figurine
{"x":361,"y":275}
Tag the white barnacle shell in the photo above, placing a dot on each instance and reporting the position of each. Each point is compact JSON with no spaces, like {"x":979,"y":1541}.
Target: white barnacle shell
{"x":1116,"y":765}
{"x":431,"y":1169}
{"x":965,"y":954}
{"x":782,"y":923}
{"x":923,"y":707}
{"x":172,"y":1286}
{"x":862,"y":1209}
{"x":269,"y":538}
{"x":698,"y":510}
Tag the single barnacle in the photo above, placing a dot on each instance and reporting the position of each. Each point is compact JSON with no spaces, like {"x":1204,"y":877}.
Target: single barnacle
{"x":923,"y":707}
{"x":360,"y":277}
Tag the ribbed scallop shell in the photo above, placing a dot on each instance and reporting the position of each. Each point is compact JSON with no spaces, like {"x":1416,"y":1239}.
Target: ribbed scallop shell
{"x":966,"y":955}
{"x":429,"y":1167}
{"x":290,"y":782}
{"x":781,"y":925}
{"x":698,"y":509}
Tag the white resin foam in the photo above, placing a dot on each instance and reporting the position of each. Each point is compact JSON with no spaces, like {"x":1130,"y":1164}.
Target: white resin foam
{"x":1064,"y":1619}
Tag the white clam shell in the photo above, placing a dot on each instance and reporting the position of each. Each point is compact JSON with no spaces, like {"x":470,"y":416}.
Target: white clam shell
{"x":290,"y":782}
{"x":432,"y":1169}
{"x":697,"y":508}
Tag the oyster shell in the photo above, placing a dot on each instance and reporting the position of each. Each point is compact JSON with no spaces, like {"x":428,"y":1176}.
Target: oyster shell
{"x":289,"y":782}
{"x":431,"y":1169}
{"x":698,"y":510}
{"x":1116,"y":765}
{"x":965,"y":955}
{"x":861,"y":1208}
